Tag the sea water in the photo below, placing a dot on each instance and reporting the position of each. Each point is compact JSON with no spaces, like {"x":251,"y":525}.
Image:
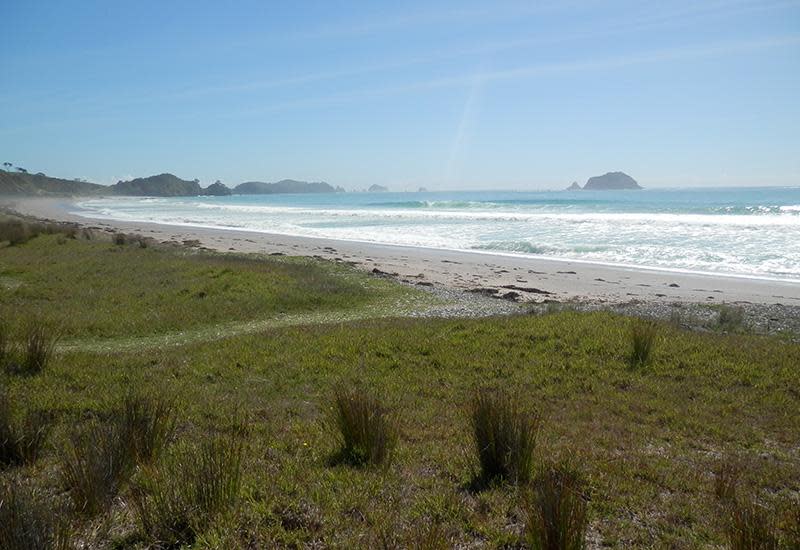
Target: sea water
{"x":751,"y":232}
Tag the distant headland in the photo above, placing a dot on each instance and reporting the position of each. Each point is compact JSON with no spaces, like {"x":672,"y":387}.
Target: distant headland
{"x":609,"y":181}
{"x":22,"y":183}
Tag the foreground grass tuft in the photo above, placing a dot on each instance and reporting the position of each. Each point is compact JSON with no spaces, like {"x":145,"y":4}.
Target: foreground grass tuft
{"x":146,"y":424}
{"x":28,"y":521}
{"x":367,"y":434}
{"x":555,"y":509}
{"x":751,"y":526}
{"x":101,"y":457}
{"x":5,"y":343}
{"x":643,"y":341}
{"x":40,"y":341}
{"x":20,"y":443}
{"x":94,"y":465}
{"x":504,"y":436}
{"x":178,"y":500}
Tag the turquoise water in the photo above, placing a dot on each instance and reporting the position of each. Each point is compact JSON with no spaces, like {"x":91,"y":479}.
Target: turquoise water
{"x":751,"y":232}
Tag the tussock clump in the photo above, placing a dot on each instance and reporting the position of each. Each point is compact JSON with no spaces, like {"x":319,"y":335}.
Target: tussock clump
{"x":179,"y":499}
{"x":29,"y":521}
{"x":100,"y":459}
{"x":147,"y":424}
{"x":643,"y":340}
{"x":726,"y":481}
{"x":750,"y":526}
{"x":20,"y":443}
{"x":94,"y":465}
{"x":33,"y":354}
{"x":40,"y":341}
{"x":366,"y":432}
{"x":504,"y":436}
{"x":555,"y":509}
{"x":5,"y":344}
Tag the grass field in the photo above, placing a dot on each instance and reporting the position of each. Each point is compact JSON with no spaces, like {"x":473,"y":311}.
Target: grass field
{"x":648,"y":435}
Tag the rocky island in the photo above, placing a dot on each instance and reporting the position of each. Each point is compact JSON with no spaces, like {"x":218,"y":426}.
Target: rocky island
{"x":610,"y":181}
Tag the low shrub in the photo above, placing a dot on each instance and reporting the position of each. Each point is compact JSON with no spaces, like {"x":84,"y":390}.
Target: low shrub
{"x":17,"y":231}
{"x":730,"y":318}
{"x":555,"y":509}
{"x":504,"y":436}
{"x":20,"y":443}
{"x":366,"y":432}
{"x":179,"y":499}
{"x":643,"y":340}
{"x":28,"y":521}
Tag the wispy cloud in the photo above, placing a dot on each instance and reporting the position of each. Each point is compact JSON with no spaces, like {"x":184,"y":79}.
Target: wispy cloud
{"x":716,"y":49}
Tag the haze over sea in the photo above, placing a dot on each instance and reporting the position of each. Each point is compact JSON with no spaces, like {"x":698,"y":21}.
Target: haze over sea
{"x":751,"y":232}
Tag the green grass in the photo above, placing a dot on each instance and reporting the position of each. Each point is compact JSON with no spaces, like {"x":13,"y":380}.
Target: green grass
{"x":650,"y":440}
{"x":103,"y":290}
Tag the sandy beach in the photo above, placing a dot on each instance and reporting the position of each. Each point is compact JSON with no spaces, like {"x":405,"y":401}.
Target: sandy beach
{"x":523,"y":279}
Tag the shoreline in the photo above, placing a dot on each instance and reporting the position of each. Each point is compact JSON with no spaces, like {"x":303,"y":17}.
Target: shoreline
{"x":527,"y":279}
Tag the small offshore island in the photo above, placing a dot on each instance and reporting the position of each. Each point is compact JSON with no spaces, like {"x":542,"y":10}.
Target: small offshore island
{"x":610,"y":181}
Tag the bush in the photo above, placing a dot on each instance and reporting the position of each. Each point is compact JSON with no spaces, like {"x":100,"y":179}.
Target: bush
{"x":730,"y":318}
{"x":504,"y":436}
{"x":20,"y":444}
{"x":177,"y":501}
{"x":146,"y":424}
{"x":15,"y":232}
{"x":367,"y":434}
{"x":555,"y":509}
{"x":643,"y":340}
{"x":28,"y":521}
{"x":96,"y":462}
{"x":750,"y":526}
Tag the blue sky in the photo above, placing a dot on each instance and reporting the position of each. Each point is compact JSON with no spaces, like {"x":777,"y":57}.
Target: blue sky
{"x":528,"y":95}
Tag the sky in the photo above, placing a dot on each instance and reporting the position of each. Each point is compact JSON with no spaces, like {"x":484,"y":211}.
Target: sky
{"x":445,"y":95}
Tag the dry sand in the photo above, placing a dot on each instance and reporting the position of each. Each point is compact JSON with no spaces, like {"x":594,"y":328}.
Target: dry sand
{"x":530,"y":279}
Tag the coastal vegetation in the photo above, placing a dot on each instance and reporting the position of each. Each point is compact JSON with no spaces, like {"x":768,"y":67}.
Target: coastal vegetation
{"x":20,"y":183}
{"x":229,"y":432}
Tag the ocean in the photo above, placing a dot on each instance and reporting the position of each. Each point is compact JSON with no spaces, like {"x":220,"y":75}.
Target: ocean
{"x":749,"y":232}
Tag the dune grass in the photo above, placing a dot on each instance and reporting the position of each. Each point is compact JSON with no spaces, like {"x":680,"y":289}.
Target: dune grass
{"x":30,"y":520}
{"x":177,"y":500}
{"x":650,"y":440}
{"x":21,"y":440}
{"x":504,"y":436}
{"x":555,"y":508}
{"x":367,"y":433}
{"x":643,"y":341}
{"x":103,"y":290}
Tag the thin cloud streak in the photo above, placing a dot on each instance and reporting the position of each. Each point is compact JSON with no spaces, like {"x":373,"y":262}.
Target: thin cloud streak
{"x":655,"y":56}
